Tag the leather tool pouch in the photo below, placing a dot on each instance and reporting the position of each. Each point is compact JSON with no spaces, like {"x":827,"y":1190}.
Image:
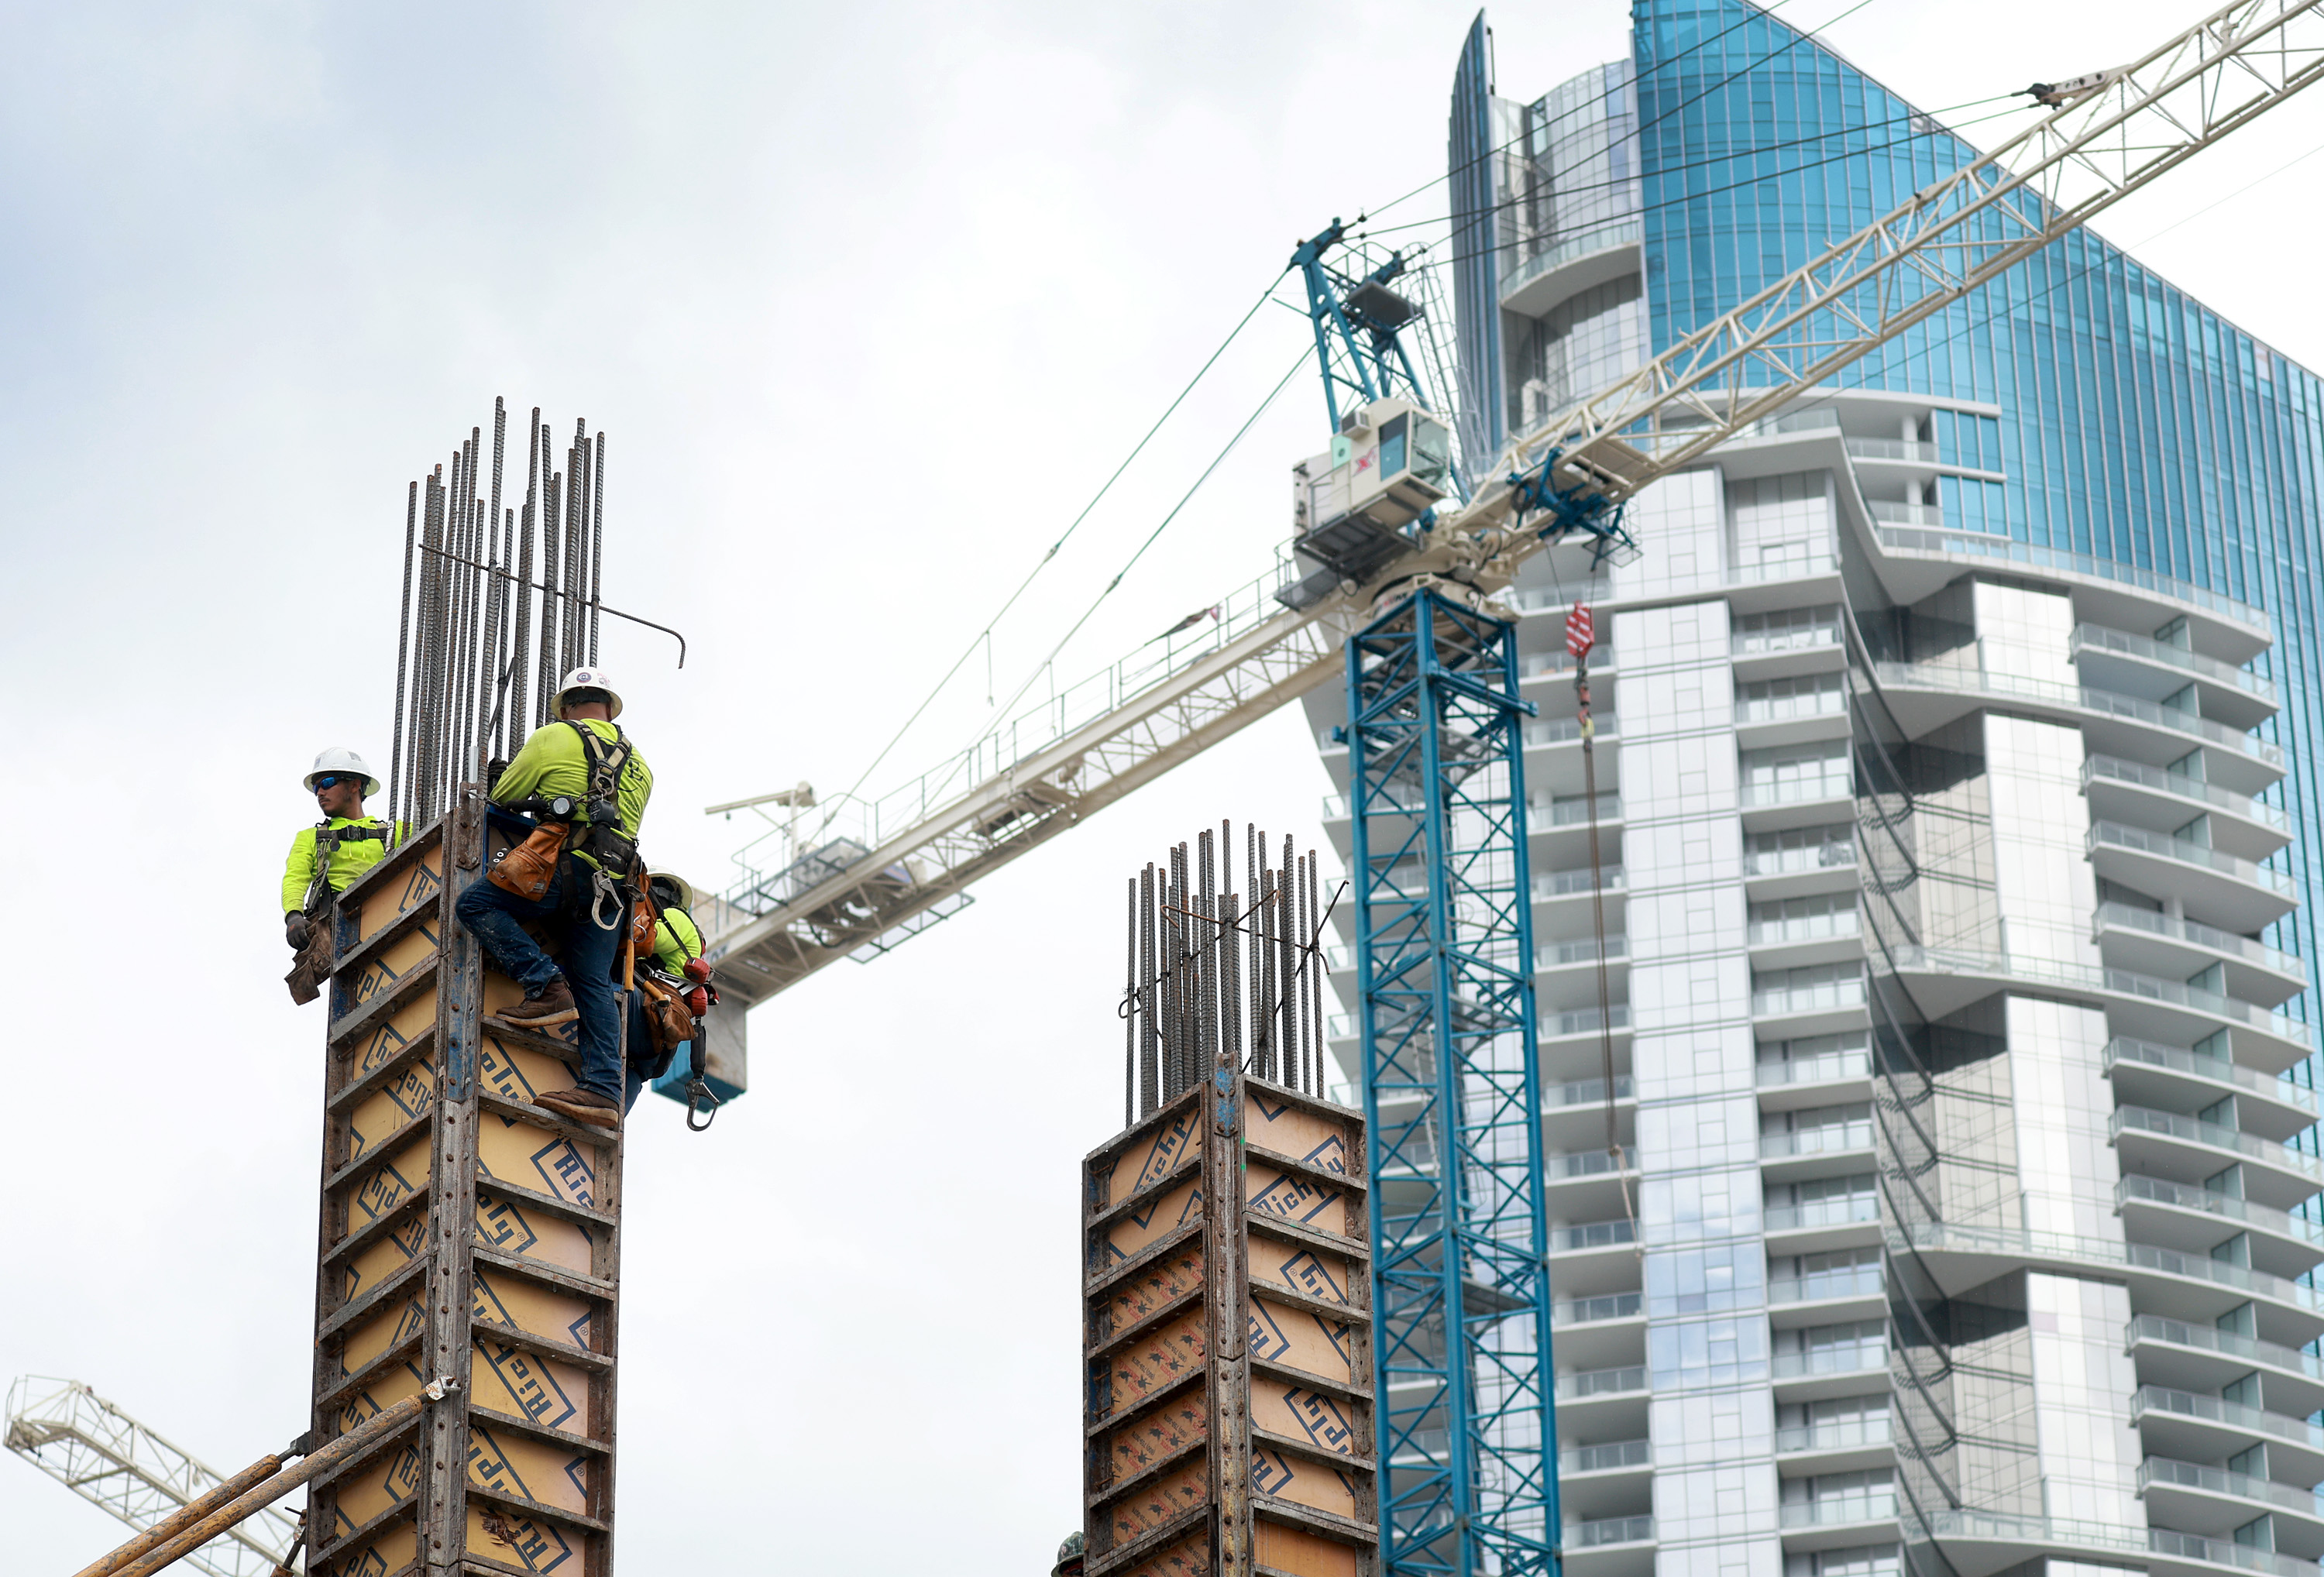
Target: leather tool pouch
{"x":528,"y":869}
{"x":666,"y":1019}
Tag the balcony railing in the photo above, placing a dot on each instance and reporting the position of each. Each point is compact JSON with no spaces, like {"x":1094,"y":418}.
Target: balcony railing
{"x":1759,"y":641}
{"x":1557,"y":955}
{"x":1609,"y":1530}
{"x":1601,"y":1382}
{"x":1573,"y":810}
{"x":2189,"y":1547}
{"x":1838,"y":1435}
{"x":1584,"y":1093}
{"x":1837,"y":783}
{"x":1597,"y":1458}
{"x":1847,"y":1209}
{"x":1583,"y":1021}
{"x":2034,"y":1530}
{"x":1889,"y":513}
{"x":1892,"y":449}
{"x":1566,"y":883}
{"x":1783,"y":861}
{"x":1843,"y":1359}
{"x":2211,"y":1202}
{"x":1532,"y":665}
{"x":1802,"y":927}
{"x":2021,"y":686}
{"x":1561,"y":730}
{"x":1816,"y":1070}
{"x":1907,"y":540}
{"x":2098,"y":638}
{"x":1941,"y":1237}
{"x":2194,"y":1129}
{"x":2123,"y":1051}
{"x":1826,"y":701}
{"x":2086,"y":978}
{"x":2164,"y":781}
{"x":1839,"y":1509}
{"x":1825,"y":997}
{"x":2211,"y":1338}
{"x":1585,"y":1311}
{"x":1596,"y":1234}
{"x":2229,"y":1414}
{"x":2196,"y":935}
{"x":2164,"y":1470}
{"x":1588,"y":1163}
{"x":1816,"y":1141}
{"x":1847,"y":1281}
{"x":2140,"y":840}
{"x":1535,"y":599}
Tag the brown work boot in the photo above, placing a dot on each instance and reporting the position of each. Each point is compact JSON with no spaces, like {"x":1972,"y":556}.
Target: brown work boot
{"x":582,"y":1106}
{"x":553,"y":1005}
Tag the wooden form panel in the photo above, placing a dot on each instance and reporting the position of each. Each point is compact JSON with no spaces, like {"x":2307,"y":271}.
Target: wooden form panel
{"x":466,"y":1233}
{"x":1228,"y":1342}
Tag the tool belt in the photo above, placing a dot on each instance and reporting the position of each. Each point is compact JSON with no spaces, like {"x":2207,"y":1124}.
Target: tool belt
{"x":667,"y":1022}
{"x":528,"y":869}
{"x":615,"y":852}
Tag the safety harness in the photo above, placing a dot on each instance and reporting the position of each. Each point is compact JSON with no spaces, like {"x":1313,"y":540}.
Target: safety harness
{"x":327,"y":841}
{"x":614,"y":853}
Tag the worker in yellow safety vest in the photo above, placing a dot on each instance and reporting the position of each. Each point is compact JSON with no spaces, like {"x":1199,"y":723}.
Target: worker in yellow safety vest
{"x":327,"y":858}
{"x":584,"y":761}
{"x":677,"y":941}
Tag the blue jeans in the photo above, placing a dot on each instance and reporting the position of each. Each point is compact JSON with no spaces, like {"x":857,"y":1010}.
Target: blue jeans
{"x":643,"y":1057}
{"x":492,"y":914}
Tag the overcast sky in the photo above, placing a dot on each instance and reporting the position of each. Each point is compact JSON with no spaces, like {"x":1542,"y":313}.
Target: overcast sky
{"x":869,"y":300}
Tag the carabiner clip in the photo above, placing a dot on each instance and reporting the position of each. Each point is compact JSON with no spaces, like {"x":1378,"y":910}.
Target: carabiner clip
{"x":607,"y":887}
{"x":696,"y":1091}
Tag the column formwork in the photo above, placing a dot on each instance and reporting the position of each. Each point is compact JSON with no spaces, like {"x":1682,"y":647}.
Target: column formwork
{"x":467,"y":1235}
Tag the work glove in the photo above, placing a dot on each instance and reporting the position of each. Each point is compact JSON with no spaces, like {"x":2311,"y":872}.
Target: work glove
{"x":294,"y":930}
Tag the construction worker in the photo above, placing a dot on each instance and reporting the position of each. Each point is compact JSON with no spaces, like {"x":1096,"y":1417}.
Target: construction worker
{"x":327,"y":858}
{"x":1070,"y":1556}
{"x":585,"y":759}
{"x":677,"y":940}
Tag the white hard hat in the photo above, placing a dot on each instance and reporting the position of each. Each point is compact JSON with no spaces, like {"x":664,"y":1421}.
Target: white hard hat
{"x":685,"y":888}
{"x":338,"y":757}
{"x":588,"y":678}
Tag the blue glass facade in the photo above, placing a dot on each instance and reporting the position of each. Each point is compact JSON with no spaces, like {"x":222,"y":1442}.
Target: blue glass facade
{"x":2137,"y":426}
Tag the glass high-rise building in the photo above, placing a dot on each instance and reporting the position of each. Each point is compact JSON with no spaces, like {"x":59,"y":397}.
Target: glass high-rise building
{"x":1958,"y":747}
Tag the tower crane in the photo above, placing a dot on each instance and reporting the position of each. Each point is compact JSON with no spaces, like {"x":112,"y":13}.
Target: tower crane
{"x":1401,"y":563}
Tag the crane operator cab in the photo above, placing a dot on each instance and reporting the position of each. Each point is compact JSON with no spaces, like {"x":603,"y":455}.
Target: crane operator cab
{"x":1352,"y":508}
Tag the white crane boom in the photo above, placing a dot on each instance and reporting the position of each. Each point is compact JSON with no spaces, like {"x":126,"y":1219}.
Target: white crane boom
{"x":105,"y":1456}
{"x":2111,"y":133}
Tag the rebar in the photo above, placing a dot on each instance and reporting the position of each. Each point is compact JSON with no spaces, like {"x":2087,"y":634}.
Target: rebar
{"x":596,"y":541}
{"x":472,"y":675}
{"x":1217,"y":976}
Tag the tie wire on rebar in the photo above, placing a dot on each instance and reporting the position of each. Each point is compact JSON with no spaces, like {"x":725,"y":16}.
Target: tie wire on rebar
{"x":473,"y":677}
{"x":1219,"y":975}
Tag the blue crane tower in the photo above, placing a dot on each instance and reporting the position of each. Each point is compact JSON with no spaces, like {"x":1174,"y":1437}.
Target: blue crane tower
{"x":1464,"y":1407}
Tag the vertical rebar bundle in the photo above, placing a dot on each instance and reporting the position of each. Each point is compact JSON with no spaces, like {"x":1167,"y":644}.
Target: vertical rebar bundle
{"x":467,"y":637}
{"x":1219,"y":975}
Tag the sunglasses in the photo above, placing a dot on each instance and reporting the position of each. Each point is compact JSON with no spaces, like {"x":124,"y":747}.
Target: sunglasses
{"x":332,"y":780}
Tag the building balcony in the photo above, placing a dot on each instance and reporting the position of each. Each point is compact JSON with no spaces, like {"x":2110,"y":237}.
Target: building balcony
{"x":1896,"y":452}
{"x":2192,"y":1287}
{"x":1573,"y":1113}
{"x":2138,"y":794}
{"x":1991,"y":1541}
{"x":2188,"y":1149}
{"x":1612,"y":1457}
{"x":1603,"y":1481}
{"x":2187,"y":1356}
{"x":2185,"y":1554}
{"x":2155,"y":943}
{"x":2230,"y":891}
{"x":1604,"y":1401}
{"x":2194,"y":1219}
{"x":2111,"y":592}
{"x":1610,"y":1546}
{"x":1829,"y":1079}
{"x":1889,"y":513}
{"x":1925,"y":695}
{"x":1797,"y":870}
{"x":1838,"y":1149}
{"x":1540,"y":664}
{"x":2188,"y":1425}
{"x":1787,"y":1010}
{"x":2135,"y":665}
{"x":1827,"y":1297}
{"x":1595,"y":1237}
{"x":1822,"y":1225}
{"x":1556,"y":599}
{"x":2212,"y":1502}
{"x":1839,"y":1520}
{"x":2171,"y":1077}
{"x":1842,"y":1445}
{"x":1604,"y":725}
{"x":1847,"y":1369}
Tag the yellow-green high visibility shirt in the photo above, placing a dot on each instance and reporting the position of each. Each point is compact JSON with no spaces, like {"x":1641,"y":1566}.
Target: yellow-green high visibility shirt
{"x":552,"y":763}
{"x":677,"y":938}
{"x":349,"y":861}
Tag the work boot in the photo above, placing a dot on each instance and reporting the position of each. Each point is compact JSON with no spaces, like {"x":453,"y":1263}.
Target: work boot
{"x":582,"y":1106}
{"x":553,"y":1005}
